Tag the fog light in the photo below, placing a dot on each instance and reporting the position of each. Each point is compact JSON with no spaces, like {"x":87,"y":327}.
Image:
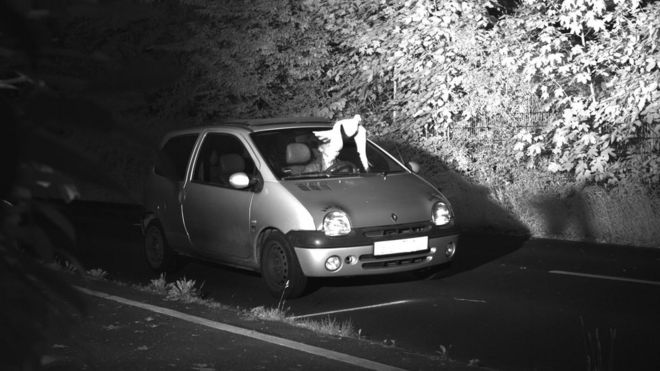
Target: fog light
{"x":433,"y":250}
{"x":451,"y":249}
{"x":333,"y":263}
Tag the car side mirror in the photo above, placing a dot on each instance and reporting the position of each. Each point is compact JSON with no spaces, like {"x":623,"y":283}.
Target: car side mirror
{"x":239,"y":180}
{"x":414,"y":167}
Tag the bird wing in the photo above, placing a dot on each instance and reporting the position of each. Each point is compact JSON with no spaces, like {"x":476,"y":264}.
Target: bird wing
{"x":361,"y":144}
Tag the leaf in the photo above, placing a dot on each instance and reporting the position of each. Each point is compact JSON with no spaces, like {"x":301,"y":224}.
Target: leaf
{"x":554,"y":167}
{"x":580,"y":168}
{"x":46,"y":149}
{"x":559,"y":139}
{"x":583,"y":78}
{"x":589,"y":138}
{"x":535,"y":149}
{"x":45,"y":182}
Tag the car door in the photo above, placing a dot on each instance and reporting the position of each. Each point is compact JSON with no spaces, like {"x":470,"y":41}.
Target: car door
{"x":217,"y":216}
{"x":164,"y":192}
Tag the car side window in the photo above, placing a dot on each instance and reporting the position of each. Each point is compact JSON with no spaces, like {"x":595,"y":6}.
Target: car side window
{"x":221,"y":156}
{"x":173,"y":157}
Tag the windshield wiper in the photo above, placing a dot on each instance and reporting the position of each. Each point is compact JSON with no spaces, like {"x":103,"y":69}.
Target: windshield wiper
{"x":320,"y":174}
{"x":317,"y":174}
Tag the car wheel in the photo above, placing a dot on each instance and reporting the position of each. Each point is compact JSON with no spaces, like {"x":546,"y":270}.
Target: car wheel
{"x":159,"y":255}
{"x":280,"y":268}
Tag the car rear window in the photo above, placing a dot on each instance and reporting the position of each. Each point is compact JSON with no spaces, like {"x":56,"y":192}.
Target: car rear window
{"x":172,"y":160}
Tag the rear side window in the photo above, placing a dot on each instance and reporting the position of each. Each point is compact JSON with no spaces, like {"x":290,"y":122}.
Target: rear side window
{"x":172,"y":159}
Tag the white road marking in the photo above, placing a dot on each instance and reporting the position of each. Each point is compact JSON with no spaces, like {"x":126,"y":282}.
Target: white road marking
{"x":611,"y":278}
{"x":321,"y":352}
{"x":472,"y":300}
{"x":353,"y":309}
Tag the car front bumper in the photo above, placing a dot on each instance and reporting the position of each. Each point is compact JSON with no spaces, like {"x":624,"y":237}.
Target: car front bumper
{"x":356,"y":253}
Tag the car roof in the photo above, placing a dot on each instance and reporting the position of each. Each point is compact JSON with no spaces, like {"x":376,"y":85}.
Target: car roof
{"x":264,"y":124}
{"x":256,"y":125}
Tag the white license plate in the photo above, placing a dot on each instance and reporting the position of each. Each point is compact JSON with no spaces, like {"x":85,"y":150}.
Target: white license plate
{"x":401,"y":246}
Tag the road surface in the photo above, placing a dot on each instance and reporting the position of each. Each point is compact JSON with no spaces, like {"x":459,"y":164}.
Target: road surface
{"x":505,"y":303}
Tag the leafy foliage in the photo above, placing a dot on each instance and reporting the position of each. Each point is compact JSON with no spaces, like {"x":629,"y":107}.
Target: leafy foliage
{"x":423,"y":69}
{"x":255,"y":58}
{"x":401,"y":57}
{"x":595,"y":63}
{"x":431,"y":72}
{"x":35,"y":298}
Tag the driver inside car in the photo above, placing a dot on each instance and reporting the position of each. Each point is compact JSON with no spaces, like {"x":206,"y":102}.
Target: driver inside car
{"x":346,"y":141}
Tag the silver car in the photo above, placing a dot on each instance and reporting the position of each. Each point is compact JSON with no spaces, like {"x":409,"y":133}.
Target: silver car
{"x":261,"y":195}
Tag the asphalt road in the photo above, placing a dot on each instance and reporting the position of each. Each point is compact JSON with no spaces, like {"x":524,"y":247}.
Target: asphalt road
{"x":505,"y":303}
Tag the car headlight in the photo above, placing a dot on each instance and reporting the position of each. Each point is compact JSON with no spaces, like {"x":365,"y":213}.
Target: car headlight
{"x":336,"y":223}
{"x":441,"y":213}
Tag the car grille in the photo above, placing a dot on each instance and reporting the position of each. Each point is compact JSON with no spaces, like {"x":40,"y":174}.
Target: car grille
{"x":392,"y":263}
{"x":396,"y":231}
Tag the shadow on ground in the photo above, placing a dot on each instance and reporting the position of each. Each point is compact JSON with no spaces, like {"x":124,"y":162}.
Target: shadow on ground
{"x":475,"y":208}
{"x":488,"y":231}
{"x":625,"y":215}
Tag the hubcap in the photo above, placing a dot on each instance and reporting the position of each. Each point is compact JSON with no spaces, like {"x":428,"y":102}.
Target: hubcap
{"x":278,"y":268}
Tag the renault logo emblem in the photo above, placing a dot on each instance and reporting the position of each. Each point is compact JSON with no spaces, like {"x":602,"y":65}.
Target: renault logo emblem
{"x":394,"y":217}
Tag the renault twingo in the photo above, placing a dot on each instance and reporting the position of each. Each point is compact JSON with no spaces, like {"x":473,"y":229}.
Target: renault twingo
{"x":292,"y":199}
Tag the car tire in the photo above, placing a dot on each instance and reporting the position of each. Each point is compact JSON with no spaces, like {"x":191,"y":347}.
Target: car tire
{"x":159,"y":255}
{"x":279,"y":266}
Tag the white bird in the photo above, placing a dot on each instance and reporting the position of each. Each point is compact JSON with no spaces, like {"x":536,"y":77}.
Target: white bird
{"x":333,"y":142}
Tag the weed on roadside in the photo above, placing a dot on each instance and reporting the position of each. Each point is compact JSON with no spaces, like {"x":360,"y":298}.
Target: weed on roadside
{"x":97,"y":274}
{"x":158,"y":285}
{"x":268,"y":314}
{"x":443,"y":353}
{"x":330,"y":326}
{"x":183,"y":290}
{"x":326,"y":326}
{"x":598,"y":358}
{"x":280,"y":304}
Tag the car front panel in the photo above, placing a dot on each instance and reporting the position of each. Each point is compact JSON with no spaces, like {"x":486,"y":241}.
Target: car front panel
{"x":371,"y":200}
{"x":359,"y":259}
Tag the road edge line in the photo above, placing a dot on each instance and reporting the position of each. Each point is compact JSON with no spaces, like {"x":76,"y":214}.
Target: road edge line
{"x":351,"y":309}
{"x":311,"y":349}
{"x":603,"y":277}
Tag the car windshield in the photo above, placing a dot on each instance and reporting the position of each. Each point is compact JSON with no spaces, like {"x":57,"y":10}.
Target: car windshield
{"x":303,"y":153}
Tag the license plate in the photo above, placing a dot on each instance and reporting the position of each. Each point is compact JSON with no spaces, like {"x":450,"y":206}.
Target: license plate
{"x":401,"y":246}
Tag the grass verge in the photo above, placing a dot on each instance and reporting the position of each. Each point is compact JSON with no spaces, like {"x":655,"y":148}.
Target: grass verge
{"x":185,"y":290}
